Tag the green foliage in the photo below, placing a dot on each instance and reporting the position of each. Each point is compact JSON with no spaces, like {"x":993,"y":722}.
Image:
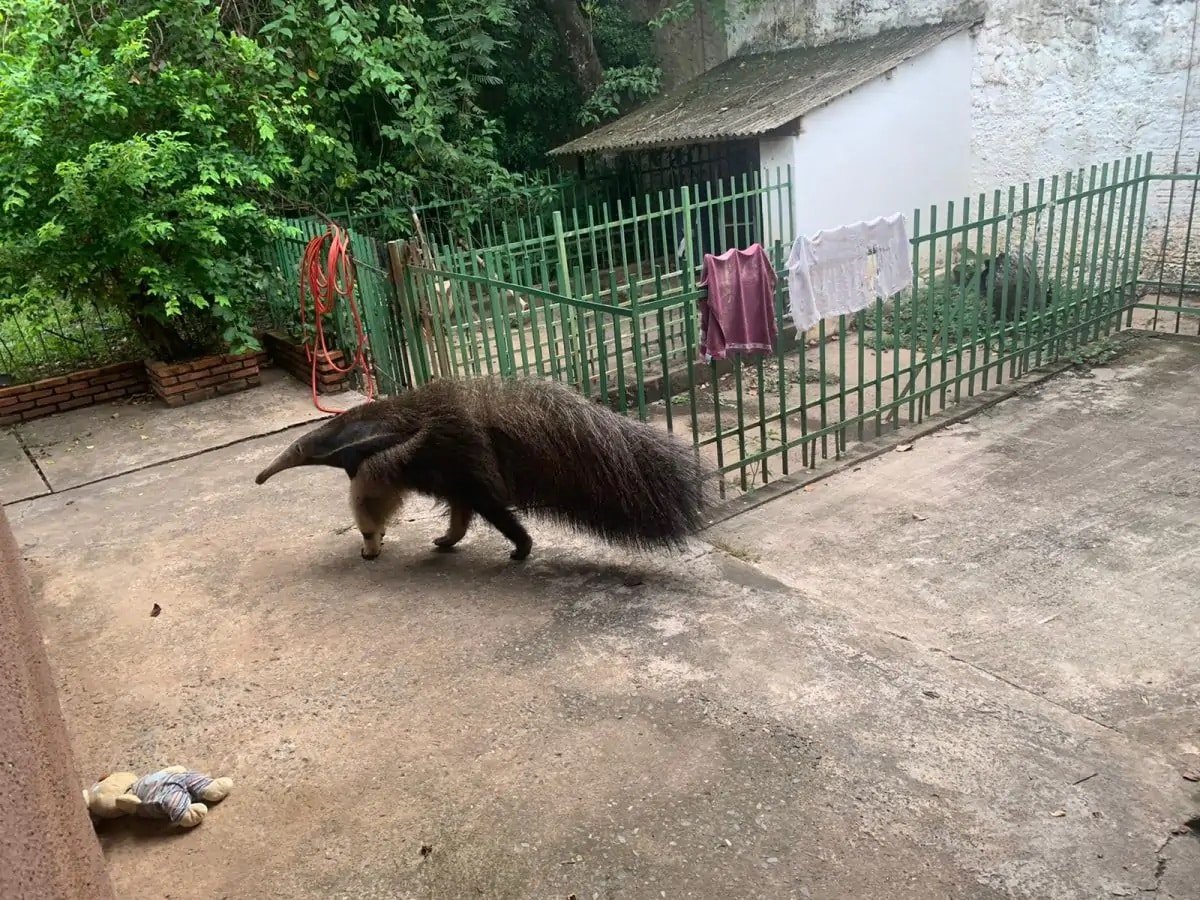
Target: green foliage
{"x":391,"y":94}
{"x":1101,"y":353}
{"x":52,"y":338}
{"x":537,"y":103}
{"x":631,"y":71}
{"x":621,"y":86}
{"x":933,"y":318}
{"x":677,"y":12}
{"x":130,"y":149}
{"x":147,"y":147}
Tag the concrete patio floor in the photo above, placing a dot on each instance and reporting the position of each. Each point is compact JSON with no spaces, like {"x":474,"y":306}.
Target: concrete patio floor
{"x":968,"y":670}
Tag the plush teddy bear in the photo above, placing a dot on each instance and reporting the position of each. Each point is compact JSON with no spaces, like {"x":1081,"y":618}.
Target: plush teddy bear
{"x":172,"y":793}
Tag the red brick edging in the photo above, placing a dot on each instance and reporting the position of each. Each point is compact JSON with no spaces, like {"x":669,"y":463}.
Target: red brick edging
{"x":178,"y":384}
{"x":37,"y":399}
{"x":292,"y":358}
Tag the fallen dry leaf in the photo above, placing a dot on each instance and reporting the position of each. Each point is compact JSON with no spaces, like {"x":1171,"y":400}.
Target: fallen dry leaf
{"x":904,"y":448}
{"x":155,"y":610}
{"x":1192,"y":775}
{"x":1058,"y":813}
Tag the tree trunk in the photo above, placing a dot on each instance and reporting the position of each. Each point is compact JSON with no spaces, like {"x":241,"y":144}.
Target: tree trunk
{"x":573,"y":26}
{"x":163,"y":343}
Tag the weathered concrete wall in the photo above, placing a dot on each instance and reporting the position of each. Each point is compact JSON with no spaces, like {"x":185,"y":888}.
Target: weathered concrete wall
{"x":686,"y":48}
{"x":1057,"y":84}
{"x":48,"y":847}
{"x":1171,"y":246}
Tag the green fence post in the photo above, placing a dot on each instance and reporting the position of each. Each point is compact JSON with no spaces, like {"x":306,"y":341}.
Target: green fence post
{"x":570,"y":326}
{"x":639,"y":363}
{"x":1141,"y":231}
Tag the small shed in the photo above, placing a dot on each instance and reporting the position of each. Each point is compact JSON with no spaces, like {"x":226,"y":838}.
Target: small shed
{"x":867,"y":127}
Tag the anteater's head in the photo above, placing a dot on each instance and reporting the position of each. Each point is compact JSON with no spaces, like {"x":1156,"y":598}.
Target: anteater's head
{"x":343,"y":442}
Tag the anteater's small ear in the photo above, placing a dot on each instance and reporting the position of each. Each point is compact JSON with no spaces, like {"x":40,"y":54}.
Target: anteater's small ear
{"x":341,"y":443}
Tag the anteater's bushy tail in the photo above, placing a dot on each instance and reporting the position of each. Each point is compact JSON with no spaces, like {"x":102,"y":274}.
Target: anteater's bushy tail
{"x":585,"y":466}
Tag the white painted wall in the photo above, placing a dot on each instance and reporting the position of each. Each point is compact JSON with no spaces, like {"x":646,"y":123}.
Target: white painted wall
{"x":775,"y":156}
{"x":1055,"y":84}
{"x":890,"y":146}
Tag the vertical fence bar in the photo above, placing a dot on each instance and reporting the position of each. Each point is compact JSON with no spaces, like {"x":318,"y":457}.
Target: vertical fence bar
{"x":1094,"y":262}
{"x":839,"y":442}
{"x":781,"y":358}
{"x":1103,"y":291}
{"x":601,"y":342}
{"x":1062,"y":292}
{"x":912,"y":331}
{"x":1125,"y":301}
{"x":1040,"y":248}
{"x":622,"y":390}
{"x":944,"y":293}
{"x":924,"y":407}
{"x":1187,"y":246}
{"x":1141,"y":231}
{"x":570,"y":338}
{"x":639,"y":365}
{"x":1081,"y":293}
{"x":1071,"y":294}
{"x":961,"y":324}
{"x":1021,"y":302}
{"x":980,"y":299}
{"x":740,"y":410}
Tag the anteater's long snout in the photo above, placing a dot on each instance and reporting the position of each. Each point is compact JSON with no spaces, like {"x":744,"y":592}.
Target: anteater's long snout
{"x":293,"y":456}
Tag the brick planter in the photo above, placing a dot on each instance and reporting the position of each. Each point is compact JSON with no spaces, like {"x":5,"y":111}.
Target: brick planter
{"x":178,"y":384}
{"x":292,"y":358}
{"x":23,"y":402}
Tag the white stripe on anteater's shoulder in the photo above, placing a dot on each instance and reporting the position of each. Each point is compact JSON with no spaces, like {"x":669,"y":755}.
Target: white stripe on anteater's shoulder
{"x":486,"y":446}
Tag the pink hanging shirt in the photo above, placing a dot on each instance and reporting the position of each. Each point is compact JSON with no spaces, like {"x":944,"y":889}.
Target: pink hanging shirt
{"x":739,"y":312}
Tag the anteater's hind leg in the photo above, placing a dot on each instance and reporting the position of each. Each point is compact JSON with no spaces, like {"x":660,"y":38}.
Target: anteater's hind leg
{"x":498,"y":515}
{"x":460,"y":520}
{"x":373,"y":504}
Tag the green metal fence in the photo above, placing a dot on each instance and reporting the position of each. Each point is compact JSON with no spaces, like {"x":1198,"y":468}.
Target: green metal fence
{"x":373,"y":290}
{"x":598,"y":300}
{"x":606,"y":299}
{"x":61,"y":337}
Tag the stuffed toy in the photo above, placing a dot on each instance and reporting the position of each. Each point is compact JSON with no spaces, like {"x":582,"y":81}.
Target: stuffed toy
{"x":172,"y":794}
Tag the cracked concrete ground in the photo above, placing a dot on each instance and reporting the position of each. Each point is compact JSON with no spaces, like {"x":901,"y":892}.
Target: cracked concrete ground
{"x":964,"y":671}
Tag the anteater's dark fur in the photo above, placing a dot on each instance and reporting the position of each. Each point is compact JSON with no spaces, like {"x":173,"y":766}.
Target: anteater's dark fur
{"x":490,"y":445}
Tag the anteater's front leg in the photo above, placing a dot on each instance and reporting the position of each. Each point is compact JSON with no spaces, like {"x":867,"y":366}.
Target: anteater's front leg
{"x":460,"y":521}
{"x":373,"y":505}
